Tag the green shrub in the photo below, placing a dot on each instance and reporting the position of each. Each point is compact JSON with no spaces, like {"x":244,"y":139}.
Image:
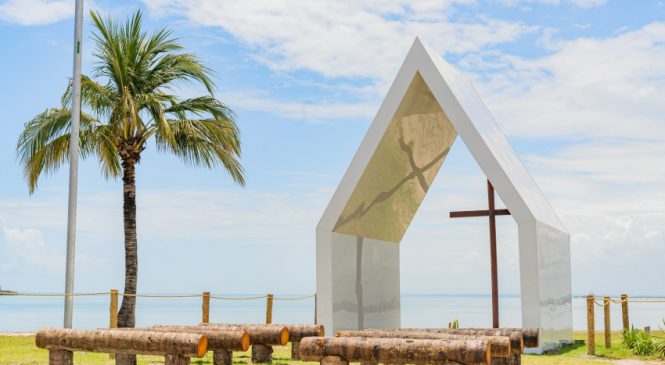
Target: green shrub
{"x":660,"y":348}
{"x":660,"y":344}
{"x":644,"y":345}
{"x":641,"y":343}
{"x":630,"y":337}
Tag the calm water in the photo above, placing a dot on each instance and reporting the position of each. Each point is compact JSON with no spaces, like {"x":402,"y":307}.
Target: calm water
{"x":30,"y":313}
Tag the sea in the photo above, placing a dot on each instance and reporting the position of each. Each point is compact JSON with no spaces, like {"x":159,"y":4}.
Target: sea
{"x":27,"y":314}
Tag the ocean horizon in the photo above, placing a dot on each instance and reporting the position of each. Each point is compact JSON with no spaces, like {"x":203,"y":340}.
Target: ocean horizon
{"x":27,"y":314}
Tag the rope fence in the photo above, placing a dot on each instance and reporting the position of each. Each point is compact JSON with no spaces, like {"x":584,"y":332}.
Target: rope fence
{"x":205,"y":298}
{"x":605,"y":303}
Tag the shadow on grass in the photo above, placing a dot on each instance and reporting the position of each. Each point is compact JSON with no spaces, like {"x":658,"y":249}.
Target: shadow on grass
{"x":563,"y":350}
{"x":570,"y":348}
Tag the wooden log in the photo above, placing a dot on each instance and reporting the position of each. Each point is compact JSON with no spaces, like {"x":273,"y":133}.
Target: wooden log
{"x":624,"y":312}
{"x":113,"y":309}
{"x":205,"y":307}
{"x":113,"y":313}
{"x":333,"y":360}
{"x":608,"y":330}
{"x":122,"y":342}
{"x":261,"y":354}
{"x":295,"y":350}
{"x":516,"y":337}
{"x":269,"y":301}
{"x":299,"y":331}
{"x":529,"y":335}
{"x":258,"y":333}
{"x":60,"y":357}
{"x":176,"y":360}
{"x":500,"y":344}
{"x":590,"y":325}
{"x":392,"y":351}
{"x":222,"y":357}
{"x":234,"y":339}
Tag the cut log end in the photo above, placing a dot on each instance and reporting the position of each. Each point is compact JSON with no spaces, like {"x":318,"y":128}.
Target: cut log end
{"x":245,"y":341}
{"x":203,"y":346}
{"x":284,"y":336}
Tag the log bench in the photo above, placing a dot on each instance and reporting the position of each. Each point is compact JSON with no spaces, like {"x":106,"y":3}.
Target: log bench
{"x":299,"y":331}
{"x":501,"y":346}
{"x":221,"y":341}
{"x":177,"y":348}
{"x":530,"y":335}
{"x":262,"y":337}
{"x":519,"y":339}
{"x":342,"y":350}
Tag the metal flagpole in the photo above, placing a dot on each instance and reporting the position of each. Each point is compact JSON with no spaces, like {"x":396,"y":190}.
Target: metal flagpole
{"x":73,"y":165}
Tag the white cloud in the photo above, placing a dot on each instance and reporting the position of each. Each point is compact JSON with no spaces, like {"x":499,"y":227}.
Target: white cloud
{"x":310,"y":112}
{"x":36,"y":12}
{"x":587,"y":88}
{"x":342,"y":38}
{"x":584,"y":88}
{"x":580,"y":3}
{"x":27,"y":246}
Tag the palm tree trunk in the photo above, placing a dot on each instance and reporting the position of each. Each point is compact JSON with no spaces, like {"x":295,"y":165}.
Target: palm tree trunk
{"x":127,"y":315}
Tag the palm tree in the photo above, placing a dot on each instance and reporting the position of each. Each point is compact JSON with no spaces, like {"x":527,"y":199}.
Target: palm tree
{"x":127,"y":102}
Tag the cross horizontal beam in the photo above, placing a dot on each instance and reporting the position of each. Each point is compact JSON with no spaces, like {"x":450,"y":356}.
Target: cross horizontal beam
{"x":478,"y":213}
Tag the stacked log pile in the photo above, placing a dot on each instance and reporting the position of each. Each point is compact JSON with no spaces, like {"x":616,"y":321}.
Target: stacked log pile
{"x":262,"y":337}
{"x":501,"y":346}
{"x":177,"y":348}
{"x":527,"y":337}
{"x":342,"y":350}
{"x":505,"y":344}
{"x":299,"y":331}
{"x":221,"y":341}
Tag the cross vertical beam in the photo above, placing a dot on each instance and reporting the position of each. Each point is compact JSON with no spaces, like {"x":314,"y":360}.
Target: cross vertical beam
{"x":493,"y":256}
{"x":491,"y":213}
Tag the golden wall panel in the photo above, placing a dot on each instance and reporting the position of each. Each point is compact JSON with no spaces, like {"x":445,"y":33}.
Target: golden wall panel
{"x":401,"y":170}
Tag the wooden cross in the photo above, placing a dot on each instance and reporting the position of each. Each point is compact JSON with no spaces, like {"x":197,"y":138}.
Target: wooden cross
{"x":491,"y":213}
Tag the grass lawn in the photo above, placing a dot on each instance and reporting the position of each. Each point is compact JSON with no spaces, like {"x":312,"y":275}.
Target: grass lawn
{"x":21,"y":350}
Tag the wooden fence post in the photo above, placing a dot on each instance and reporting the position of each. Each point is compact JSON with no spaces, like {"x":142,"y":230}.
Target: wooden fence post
{"x":608,"y":330}
{"x":624,"y":311}
{"x":113,"y":309}
{"x":206,"y":307}
{"x":590,"y":325}
{"x":269,"y":309}
{"x":113,"y":313}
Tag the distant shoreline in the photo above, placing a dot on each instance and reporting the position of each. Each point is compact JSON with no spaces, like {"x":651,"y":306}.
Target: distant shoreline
{"x":17,"y":334}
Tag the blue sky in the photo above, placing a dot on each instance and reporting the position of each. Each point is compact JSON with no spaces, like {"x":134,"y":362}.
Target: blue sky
{"x":577,"y":85}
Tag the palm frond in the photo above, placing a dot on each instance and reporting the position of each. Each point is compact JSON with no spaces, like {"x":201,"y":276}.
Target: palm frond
{"x":95,"y":96}
{"x":205,"y":142}
{"x":43,"y":146}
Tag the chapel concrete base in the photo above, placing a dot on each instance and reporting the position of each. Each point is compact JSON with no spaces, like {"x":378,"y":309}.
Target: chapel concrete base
{"x":357,"y":282}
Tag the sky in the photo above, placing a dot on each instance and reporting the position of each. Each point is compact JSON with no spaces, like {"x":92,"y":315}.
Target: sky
{"x":577,"y":86}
